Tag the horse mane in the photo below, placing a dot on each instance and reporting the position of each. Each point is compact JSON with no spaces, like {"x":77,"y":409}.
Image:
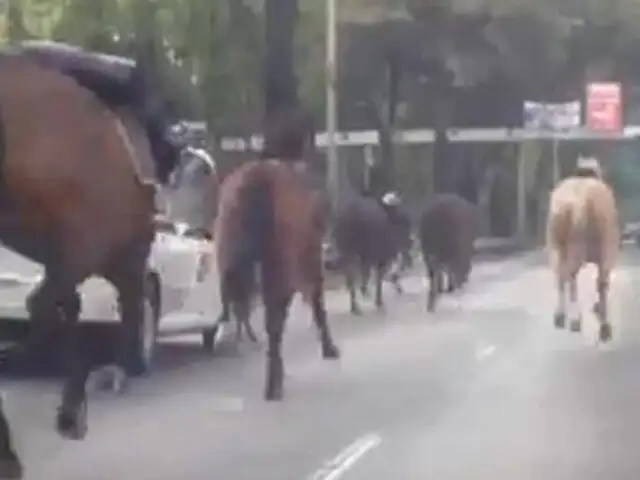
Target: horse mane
{"x":117,"y":82}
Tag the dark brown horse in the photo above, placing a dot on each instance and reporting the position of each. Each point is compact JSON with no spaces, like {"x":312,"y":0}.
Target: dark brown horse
{"x":447,"y":232}
{"x":77,"y":184}
{"x":369,"y":234}
{"x":269,"y":218}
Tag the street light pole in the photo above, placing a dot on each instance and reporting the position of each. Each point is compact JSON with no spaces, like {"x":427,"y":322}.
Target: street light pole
{"x":333,"y":173}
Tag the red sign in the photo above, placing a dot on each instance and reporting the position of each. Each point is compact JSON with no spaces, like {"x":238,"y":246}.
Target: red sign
{"x":604,"y":107}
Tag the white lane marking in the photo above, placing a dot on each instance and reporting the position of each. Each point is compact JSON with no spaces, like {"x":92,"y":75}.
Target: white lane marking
{"x":341,"y":463}
{"x":485,"y":352}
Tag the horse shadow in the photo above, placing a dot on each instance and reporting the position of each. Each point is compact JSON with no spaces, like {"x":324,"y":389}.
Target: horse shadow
{"x":44,"y":360}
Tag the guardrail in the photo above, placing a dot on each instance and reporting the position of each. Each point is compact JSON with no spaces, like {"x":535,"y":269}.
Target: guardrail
{"x":361,"y":138}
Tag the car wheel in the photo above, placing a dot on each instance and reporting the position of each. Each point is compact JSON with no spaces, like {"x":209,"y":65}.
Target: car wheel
{"x":145,"y":350}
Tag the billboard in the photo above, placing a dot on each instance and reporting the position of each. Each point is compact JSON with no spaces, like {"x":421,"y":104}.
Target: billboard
{"x":604,"y":107}
{"x":551,"y":116}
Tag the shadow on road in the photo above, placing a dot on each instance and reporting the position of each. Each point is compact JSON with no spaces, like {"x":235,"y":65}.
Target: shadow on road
{"x":44,"y":360}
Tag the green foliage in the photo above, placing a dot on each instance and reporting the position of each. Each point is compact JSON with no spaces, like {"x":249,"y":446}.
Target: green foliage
{"x":213,"y":48}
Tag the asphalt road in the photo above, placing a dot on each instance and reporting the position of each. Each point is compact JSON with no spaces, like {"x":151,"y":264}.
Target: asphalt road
{"x":483,"y":389}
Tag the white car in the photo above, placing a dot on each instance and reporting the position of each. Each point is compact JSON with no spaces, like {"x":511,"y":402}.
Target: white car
{"x":182,"y":294}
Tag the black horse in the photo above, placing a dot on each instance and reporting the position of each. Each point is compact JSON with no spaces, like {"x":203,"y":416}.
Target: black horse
{"x":370,"y":232}
{"x":447,"y":231}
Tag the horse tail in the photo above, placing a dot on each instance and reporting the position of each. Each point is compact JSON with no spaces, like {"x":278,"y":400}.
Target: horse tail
{"x":251,"y":237}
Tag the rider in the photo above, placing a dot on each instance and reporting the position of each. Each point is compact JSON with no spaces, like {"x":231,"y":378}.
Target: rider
{"x":392,"y":204}
{"x":192,"y":191}
{"x":588,"y":166}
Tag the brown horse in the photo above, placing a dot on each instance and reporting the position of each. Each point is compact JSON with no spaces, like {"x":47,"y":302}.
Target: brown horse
{"x":77,"y":196}
{"x":583,"y":227}
{"x":269,"y":218}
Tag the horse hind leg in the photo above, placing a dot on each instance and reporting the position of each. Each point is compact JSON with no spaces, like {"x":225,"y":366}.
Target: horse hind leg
{"x":350,"y":281}
{"x":601,"y":307}
{"x":434,"y":276}
{"x":242,"y":312}
{"x":10,"y":464}
{"x":276,"y":310}
{"x":395,"y":273}
{"x":128,"y":275}
{"x":575,"y":317}
{"x":57,"y":293}
{"x":365,"y":271}
{"x":319,"y":312}
{"x":237,"y":291}
{"x":72,"y":414}
{"x":560,"y":314}
{"x":380,"y":273}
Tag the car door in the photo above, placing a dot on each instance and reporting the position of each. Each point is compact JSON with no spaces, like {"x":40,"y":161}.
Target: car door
{"x":183,"y":259}
{"x":174,"y":259}
{"x":203,"y":296}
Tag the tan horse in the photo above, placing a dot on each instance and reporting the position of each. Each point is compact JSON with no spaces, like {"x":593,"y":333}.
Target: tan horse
{"x":582,"y":227}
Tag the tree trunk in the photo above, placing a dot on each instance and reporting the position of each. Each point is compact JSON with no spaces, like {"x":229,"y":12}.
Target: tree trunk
{"x":443,"y":168}
{"x":284,"y":117}
{"x":387,"y":144}
{"x":16,"y":29}
{"x":281,"y":86}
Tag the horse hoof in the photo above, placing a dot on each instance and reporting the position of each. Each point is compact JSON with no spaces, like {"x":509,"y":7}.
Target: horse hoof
{"x":431,"y":305}
{"x":273,"y":393}
{"x":119,"y":382}
{"x":330,"y":352}
{"x":356,"y":311}
{"x":252,"y":338}
{"x":576,"y":325}
{"x":73,"y":424}
{"x":10,"y":467}
{"x":605,"y":333}
{"x":111,"y":379}
{"x":559,"y":320}
{"x":597,"y":309}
